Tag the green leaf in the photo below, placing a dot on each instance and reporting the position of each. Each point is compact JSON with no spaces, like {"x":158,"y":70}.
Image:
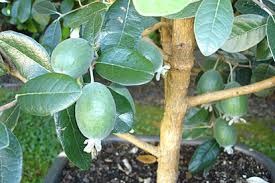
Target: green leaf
{"x":42,"y":19}
{"x":125,"y":67}
{"x":10,"y":117}
{"x":213,"y":25}
{"x":160,"y":8}
{"x":270,"y":31}
{"x":11,"y":159}
{"x":48,"y":94}
{"x":21,"y":10}
{"x":71,"y":138}
{"x":83,"y":15}
{"x":151,"y":52}
{"x":261,"y":72}
{"x":28,"y":56}
{"x":91,"y":30}
{"x":197,"y":115}
{"x":66,"y":6}
{"x":4,"y":136}
{"x":52,"y":36}
{"x":234,"y":57}
{"x":248,"y":30}
{"x":204,"y":156}
{"x":120,"y":28}
{"x":125,"y":108}
{"x":195,"y":132}
{"x":45,"y":7}
{"x":187,"y":12}
{"x":249,"y":7}
{"x":263,"y":52}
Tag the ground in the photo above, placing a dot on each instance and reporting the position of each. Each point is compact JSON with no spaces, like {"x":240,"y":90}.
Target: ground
{"x":40,"y":145}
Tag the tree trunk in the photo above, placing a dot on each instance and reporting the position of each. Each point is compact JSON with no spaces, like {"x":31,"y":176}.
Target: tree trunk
{"x":178,"y":43}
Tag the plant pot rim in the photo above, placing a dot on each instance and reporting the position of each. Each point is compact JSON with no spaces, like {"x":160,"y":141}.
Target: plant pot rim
{"x":55,"y":171}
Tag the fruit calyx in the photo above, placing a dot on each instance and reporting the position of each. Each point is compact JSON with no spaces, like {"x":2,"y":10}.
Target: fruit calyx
{"x":93,"y":146}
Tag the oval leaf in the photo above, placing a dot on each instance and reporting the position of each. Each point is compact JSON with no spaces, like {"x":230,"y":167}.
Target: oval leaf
{"x":204,"y":156}
{"x":45,"y":7}
{"x":270,"y":31}
{"x":10,"y":117}
{"x":21,"y":10}
{"x":71,"y":138}
{"x":48,"y":94}
{"x":11,"y":159}
{"x":213,"y":25}
{"x":125,"y":67}
{"x":28,"y":56}
{"x":187,"y":12}
{"x":160,"y":8}
{"x":52,"y":36}
{"x":263,"y":52}
{"x":248,"y":30}
{"x":249,"y":7}
{"x":4,"y":136}
{"x":125,"y":108}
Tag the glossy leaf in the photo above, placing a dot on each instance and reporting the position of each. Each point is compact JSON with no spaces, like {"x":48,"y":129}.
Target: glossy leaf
{"x":204,"y":156}
{"x":66,"y":6}
{"x":21,"y":10}
{"x":125,"y":108}
{"x":249,"y":7}
{"x":42,"y":19}
{"x":72,"y":57}
{"x":28,"y":56}
{"x":261,"y":72}
{"x":52,"y":36}
{"x":71,"y":138}
{"x":125,"y":67}
{"x":151,"y":52}
{"x":248,"y":30}
{"x":263,"y":52}
{"x":197,"y":115}
{"x":91,"y":30}
{"x":120,"y":27}
{"x":45,"y":7}
{"x":48,"y":94}
{"x":213,"y":25}
{"x":10,"y":117}
{"x":160,"y":8}
{"x":11,"y":159}
{"x":4,"y":136}
{"x":187,"y":12}
{"x":270,"y":31}
{"x":83,"y":15}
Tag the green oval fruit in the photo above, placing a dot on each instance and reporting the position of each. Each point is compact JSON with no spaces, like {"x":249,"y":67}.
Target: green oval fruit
{"x":95,"y":111}
{"x":225,"y":135}
{"x":235,"y":106}
{"x":210,"y":81}
{"x":72,"y":57}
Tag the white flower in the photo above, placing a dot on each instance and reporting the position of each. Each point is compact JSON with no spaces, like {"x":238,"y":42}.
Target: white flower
{"x":207,"y":107}
{"x":93,"y":146}
{"x":235,"y":119}
{"x":229,"y":149}
{"x":162,"y":71}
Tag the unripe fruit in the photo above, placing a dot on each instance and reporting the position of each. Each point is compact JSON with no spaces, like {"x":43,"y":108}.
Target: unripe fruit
{"x":210,"y":81}
{"x":95,"y":111}
{"x":235,"y":106}
{"x":225,"y":135}
{"x":72,"y":57}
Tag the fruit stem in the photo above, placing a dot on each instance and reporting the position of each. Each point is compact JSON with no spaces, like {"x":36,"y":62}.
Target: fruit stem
{"x":216,"y":64}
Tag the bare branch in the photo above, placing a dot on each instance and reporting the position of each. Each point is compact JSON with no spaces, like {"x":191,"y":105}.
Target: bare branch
{"x":233,"y":92}
{"x":155,"y":27}
{"x":7,"y":106}
{"x":139,"y":143}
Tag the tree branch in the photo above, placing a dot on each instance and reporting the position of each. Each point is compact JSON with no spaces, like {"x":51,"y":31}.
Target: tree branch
{"x":139,"y":143}
{"x":155,"y":27}
{"x":233,"y":92}
{"x":7,"y":106}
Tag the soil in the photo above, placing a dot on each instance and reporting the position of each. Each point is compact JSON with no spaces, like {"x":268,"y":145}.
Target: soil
{"x":234,"y":168}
